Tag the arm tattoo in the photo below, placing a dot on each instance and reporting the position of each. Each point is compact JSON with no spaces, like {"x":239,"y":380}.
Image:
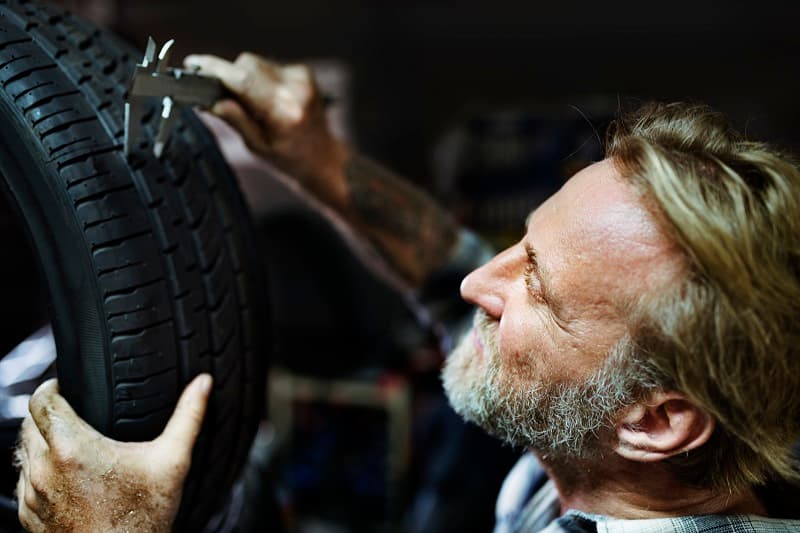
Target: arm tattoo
{"x":411,"y":231}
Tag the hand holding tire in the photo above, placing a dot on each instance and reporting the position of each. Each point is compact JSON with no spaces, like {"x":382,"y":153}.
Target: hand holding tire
{"x":72,"y":478}
{"x":279,"y":113}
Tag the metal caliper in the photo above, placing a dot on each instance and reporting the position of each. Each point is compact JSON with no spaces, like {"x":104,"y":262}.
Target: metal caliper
{"x":153,"y":77}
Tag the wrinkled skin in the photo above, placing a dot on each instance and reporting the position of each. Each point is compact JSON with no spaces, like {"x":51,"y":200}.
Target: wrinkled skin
{"x":72,"y":478}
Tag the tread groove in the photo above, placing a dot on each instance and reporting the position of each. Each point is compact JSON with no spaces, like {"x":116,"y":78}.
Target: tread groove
{"x":13,"y":60}
{"x":200,"y":219}
{"x":134,"y":356}
{"x":105,"y":271}
{"x":6,"y":44}
{"x":102,"y":194}
{"x":224,"y":344}
{"x":92,"y":224}
{"x":129,"y":311}
{"x":226,"y":293}
{"x":48,"y":99}
{"x":132,"y":288}
{"x":86,"y":155}
{"x":31,"y":89}
{"x":119,"y":240}
{"x":50,"y":115}
{"x":144,"y":396}
{"x":87,"y":178}
{"x":61,"y":147}
{"x":142,"y":380}
{"x":143,"y":415}
{"x":139,"y":329}
{"x":26,"y":73}
{"x":66,"y":126}
{"x":214,"y":262}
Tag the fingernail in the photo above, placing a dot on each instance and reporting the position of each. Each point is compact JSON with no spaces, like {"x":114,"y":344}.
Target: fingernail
{"x":218,"y":108}
{"x":191,"y":62}
{"x":204,"y":383}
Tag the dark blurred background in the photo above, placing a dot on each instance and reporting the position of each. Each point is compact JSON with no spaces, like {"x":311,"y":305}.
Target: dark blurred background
{"x":419,"y":67}
{"x":490,"y":106}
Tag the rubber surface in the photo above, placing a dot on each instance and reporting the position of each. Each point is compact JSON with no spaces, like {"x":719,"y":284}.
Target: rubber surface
{"x":150,"y":265}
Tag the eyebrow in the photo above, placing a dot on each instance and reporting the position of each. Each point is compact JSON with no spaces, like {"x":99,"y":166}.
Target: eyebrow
{"x":537,"y":269}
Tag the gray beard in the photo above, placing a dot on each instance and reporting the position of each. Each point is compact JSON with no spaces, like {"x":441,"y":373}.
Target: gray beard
{"x":559,"y":420}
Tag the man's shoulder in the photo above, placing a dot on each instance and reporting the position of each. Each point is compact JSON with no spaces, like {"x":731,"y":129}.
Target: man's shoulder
{"x":528,"y":502}
{"x":699,"y":524}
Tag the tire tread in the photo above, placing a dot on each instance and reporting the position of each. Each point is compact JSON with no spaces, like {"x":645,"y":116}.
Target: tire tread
{"x":169,"y":240}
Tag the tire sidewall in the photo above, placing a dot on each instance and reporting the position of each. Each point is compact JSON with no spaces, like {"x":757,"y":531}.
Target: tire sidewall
{"x":64,"y":264}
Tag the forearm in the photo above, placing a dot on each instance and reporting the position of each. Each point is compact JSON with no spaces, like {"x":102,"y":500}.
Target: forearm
{"x":279,"y":112}
{"x":408,"y":228}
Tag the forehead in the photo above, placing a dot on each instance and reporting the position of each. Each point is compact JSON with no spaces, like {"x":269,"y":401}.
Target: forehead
{"x":597,"y":241}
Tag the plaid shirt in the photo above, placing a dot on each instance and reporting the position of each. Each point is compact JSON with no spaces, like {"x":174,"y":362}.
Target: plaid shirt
{"x":528,"y":502}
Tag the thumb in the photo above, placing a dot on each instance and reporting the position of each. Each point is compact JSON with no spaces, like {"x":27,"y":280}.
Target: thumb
{"x":231,"y":75}
{"x":185,"y":423}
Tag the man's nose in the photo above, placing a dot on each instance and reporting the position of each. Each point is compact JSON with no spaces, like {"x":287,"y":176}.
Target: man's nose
{"x":488,"y":286}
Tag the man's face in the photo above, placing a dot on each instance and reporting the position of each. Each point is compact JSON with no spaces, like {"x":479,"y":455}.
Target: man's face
{"x":534,"y":370}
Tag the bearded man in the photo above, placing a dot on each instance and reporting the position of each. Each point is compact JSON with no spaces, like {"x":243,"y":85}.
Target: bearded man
{"x":641,"y":339}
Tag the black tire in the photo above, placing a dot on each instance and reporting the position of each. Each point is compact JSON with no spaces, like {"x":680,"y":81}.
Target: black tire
{"x":150,"y":266}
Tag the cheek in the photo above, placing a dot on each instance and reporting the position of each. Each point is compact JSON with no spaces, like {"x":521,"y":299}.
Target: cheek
{"x":524,"y":343}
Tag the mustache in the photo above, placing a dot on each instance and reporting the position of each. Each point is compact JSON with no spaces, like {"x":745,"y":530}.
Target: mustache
{"x":482,"y":319}
{"x":486,"y":329}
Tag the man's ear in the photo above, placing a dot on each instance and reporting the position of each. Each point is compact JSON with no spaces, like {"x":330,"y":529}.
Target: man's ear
{"x":663,"y":425}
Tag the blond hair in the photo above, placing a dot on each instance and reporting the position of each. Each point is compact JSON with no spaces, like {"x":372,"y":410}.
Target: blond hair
{"x":728,"y":334}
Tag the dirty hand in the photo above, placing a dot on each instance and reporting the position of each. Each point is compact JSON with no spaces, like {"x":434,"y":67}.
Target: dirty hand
{"x":279,"y":113}
{"x":72,"y":478}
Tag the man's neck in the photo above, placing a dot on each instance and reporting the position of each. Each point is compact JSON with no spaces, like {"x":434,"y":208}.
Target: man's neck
{"x":623,"y":489}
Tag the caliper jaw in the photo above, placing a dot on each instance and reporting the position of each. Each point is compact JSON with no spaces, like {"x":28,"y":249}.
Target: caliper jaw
{"x":174,"y":87}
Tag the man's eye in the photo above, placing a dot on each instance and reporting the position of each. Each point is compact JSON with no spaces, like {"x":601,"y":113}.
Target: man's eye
{"x":532,"y":283}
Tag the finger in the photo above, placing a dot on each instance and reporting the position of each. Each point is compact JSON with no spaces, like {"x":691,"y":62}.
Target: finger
{"x":22,"y":482}
{"x":54,"y":417}
{"x":251,"y":131}
{"x":234,"y":77}
{"x":251,"y":61}
{"x":264,"y":75}
{"x":28,"y":518}
{"x":29,"y":507}
{"x":19,"y":491}
{"x":23,"y":512}
{"x":26,"y":493}
{"x":21,"y":462}
{"x":298,"y":74}
{"x":185,"y":423}
{"x":32,"y":445}
{"x":251,"y":79}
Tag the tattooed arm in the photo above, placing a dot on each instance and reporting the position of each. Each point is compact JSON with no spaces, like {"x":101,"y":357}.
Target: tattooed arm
{"x":280,"y":116}
{"x":407,"y":227}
